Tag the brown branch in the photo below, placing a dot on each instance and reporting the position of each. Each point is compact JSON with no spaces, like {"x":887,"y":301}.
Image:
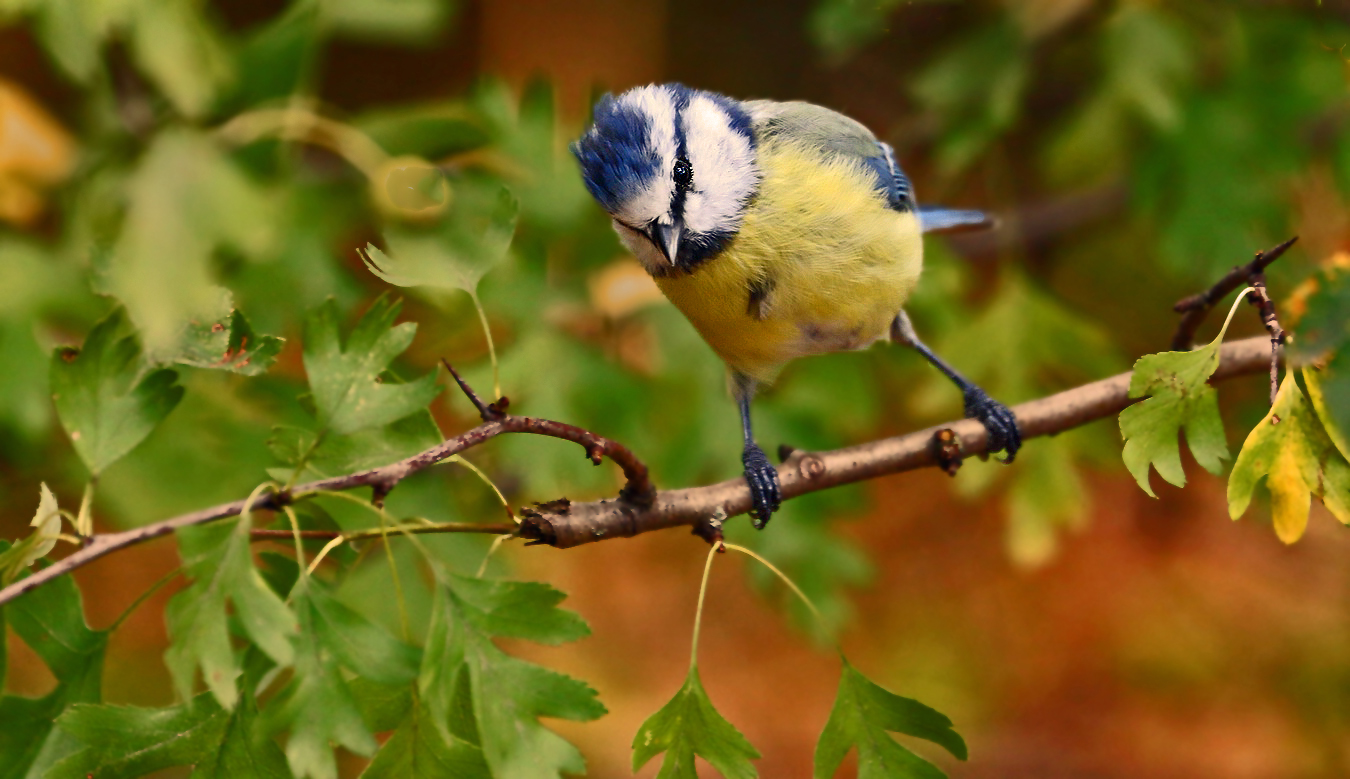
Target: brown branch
{"x":582,"y":523}
{"x":565,"y":524}
{"x":380,"y":480}
{"x":1196,"y":307}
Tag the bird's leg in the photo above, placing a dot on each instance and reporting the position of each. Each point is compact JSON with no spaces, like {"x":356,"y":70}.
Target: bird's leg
{"x":997,"y":418}
{"x":760,"y":474}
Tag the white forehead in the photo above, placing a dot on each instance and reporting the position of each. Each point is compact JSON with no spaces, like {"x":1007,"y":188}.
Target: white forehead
{"x":725,"y":173}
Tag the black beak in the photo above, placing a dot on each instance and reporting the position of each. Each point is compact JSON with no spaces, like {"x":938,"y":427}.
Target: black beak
{"x":667,"y":239}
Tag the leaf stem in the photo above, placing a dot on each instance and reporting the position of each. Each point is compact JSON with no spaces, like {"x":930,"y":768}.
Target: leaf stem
{"x":492,"y":350}
{"x":393,"y":571}
{"x":698,"y":612}
{"x":295,"y":533}
{"x":496,"y":544}
{"x":1233,"y":311}
{"x":459,"y":460}
{"x":143,"y":597}
{"x":791,"y":584}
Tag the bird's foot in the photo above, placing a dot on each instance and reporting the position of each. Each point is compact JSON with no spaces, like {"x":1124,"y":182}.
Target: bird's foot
{"x":997,"y":419}
{"x":763,"y":480}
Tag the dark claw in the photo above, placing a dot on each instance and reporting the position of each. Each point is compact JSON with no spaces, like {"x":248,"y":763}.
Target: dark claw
{"x":997,"y":419}
{"x":763,"y":480}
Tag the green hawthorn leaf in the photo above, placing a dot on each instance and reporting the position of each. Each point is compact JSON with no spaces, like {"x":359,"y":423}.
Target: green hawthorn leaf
{"x":464,"y":673}
{"x":688,"y":725}
{"x":468,"y":244}
{"x":122,"y":742}
{"x":245,"y":751}
{"x":228,"y":343}
{"x":421,"y":747}
{"x":317,"y":705}
{"x":359,"y":644}
{"x":336,"y":454}
{"x":1298,"y":460}
{"x":383,"y":706}
{"x":50,"y":620}
{"x":344,"y":375}
{"x":525,"y":610}
{"x":863,"y":716}
{"x":218,"y":560}
{"x":106,"y":396}
{"x":185,"y":201}
{"x":1180,"y":397}
{"x":1319,"y":380}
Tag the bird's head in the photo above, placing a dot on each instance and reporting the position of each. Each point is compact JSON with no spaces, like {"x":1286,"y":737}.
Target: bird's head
{"x":674,"y":167}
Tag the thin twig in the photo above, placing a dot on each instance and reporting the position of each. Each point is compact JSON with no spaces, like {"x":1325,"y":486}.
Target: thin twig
{"x":1262,"y":300}
{"x":1197,"y":306}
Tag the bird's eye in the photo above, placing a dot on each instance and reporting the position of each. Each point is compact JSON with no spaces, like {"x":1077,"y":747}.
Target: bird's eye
{"x":684,"y":174}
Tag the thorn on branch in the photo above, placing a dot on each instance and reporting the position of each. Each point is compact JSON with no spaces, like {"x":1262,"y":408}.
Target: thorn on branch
{"x":1197,"y":306}
{"x":947,"y":450}
{"x":489,"y":412}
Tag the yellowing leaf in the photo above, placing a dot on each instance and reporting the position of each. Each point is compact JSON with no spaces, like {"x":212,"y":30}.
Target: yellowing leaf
{"x":46,"y":527}
{"x":1298,"y":460}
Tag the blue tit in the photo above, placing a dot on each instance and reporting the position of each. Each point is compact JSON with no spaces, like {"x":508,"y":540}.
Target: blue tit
{"x":779,"y":229}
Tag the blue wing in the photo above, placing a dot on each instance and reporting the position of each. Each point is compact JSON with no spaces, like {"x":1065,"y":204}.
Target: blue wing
{"x":890,"y":179}
{"x":939,"y":218}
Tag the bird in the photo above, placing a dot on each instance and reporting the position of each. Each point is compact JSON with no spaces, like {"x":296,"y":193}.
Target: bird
{"x":779,"y":230}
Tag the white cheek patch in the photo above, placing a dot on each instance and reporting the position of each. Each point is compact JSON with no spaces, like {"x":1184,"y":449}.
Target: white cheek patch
{"x":725,"y":174}
{"x":658,"y":105}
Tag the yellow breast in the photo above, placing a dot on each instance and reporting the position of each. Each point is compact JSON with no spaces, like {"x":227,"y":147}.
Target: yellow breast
{"x":820,"y":264}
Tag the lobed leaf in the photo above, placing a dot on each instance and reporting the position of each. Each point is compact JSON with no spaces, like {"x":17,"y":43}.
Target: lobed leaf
{"x":863,"y":716}
{"x":123,"y":742}
{"x":50,"y":620}
{"x":689,"y":725}
{"x":229,"y":343}
{"x":218,"y":559}
{"x":108,"y":399}
{"x":317,"y":705}
{"x":1291,"y":450}
{"x":422,"y":747}
{"x":344,"y":375}
{"x":493,"y":700}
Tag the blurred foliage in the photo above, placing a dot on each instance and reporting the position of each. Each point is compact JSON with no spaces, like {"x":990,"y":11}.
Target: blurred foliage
{"x":217,"y":239}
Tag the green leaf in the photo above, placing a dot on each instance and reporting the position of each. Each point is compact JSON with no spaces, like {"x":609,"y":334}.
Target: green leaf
{"x":863,"y":716}
{"x":1298,"y":460}
{"x":505,"y":695}
{"x":383,"y":706}
{"x":359,"y":644}
{"x":317,"y":704}
{"x":46,"y":527}
{"x":218,"y":559}
{"x":180,"y":52}
{"x":421,"y":747}
{"x":335,"y":454}
{"x":525,"y":610}
{"x":50,"y":620}
{"x":185,"y":201}
{"x":1180,"y":397}
{"x":106,"y":396}
{"x":1329,"y":391}
{"x":345,"y":375}
{"x":409,"y":21}
{"x":122,"y":742}
{"x":246,"y":750}
{"x":688,"y":725}
{"x":229,"y":344}
{"x":469,"y":243}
